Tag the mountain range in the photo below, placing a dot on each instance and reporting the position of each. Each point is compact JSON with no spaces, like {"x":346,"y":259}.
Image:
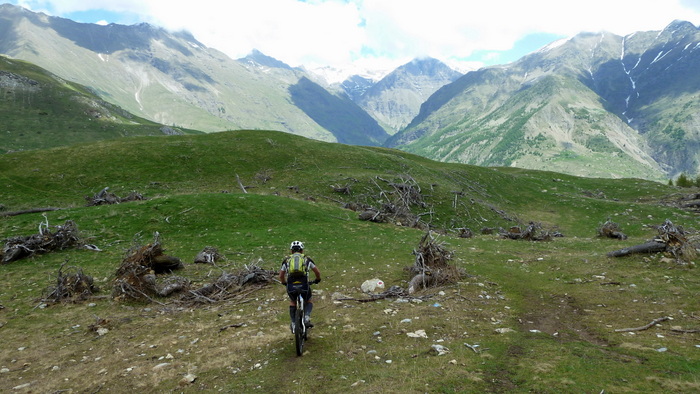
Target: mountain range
{"x":597,"y":104}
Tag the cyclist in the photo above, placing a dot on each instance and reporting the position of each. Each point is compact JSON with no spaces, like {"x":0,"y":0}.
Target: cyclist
{"x":295,"y":275}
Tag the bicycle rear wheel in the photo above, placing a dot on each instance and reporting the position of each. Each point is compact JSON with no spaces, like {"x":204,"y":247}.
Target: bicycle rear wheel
{"x":299,"y":329}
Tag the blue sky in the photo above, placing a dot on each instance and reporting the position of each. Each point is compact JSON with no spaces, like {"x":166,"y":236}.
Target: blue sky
{"x":380,"y":34}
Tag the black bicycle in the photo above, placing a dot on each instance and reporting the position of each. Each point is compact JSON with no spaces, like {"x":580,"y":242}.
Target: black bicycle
{"x":301,"y":331}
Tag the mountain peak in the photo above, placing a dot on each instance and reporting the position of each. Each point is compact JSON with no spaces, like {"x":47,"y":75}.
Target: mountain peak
{"x":257,"y":57}
{"x":681,"y":25}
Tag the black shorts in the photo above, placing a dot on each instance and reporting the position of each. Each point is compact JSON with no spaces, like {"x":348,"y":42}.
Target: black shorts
{"x":297,"y":286}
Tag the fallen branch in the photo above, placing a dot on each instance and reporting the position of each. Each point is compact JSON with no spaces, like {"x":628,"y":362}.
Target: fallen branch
{"x":642,"y":328}
{"x":241,"y":184}
{"x":472,"y":347}
{"x":647,"y":247}
{"x":231,"y":326}
{"x":393,"y":292}
{"x":35,"y":210}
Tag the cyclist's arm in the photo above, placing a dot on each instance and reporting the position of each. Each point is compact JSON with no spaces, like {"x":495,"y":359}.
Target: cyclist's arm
{"x":283,"y":272}
{"x":317,"y":273}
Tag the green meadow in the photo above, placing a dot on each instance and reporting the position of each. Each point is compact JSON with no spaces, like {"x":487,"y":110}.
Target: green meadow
{"x":526,"y":316}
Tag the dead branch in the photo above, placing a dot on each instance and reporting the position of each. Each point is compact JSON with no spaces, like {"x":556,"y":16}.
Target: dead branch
{"x":231,"y":326}
{"x":392,"y":292}
{"x":648,"y":248}
{"x":105,"y":197}
{"x":431,"y":266}
{"x":75,"y":286}
{"x":672,"y":239}
{"x":692,"y":331}
{"x":472,"y":347}
{"x":240,"y":184}
{"x":646,"y":327}
{"x":342,"y":189}
{"x":533,"y":232}
{"x":48,"y":239}
{"x":34,"y":210}
{"x":229,"y":285}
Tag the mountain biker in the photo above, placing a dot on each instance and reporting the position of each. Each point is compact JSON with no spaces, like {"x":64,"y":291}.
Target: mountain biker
{"x":295,"y":275}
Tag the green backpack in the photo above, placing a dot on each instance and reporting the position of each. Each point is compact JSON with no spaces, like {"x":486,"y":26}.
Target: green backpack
{"x":296,"y":266}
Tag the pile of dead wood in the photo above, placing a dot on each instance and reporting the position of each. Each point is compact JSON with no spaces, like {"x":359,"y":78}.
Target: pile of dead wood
{"x":135,"y":279}
{"x":48,"y":239}
{"x":671,"y":239}
{"x":399,"y":197}
{"x":531,"y":232}
{"x":611,"y":229}
{"x":229,"y":285}
{"x":71,"y":286}
{"x":432,"y":265}
{"x":105,"y":197}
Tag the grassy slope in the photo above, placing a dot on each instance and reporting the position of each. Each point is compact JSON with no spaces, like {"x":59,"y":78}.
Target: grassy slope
{"x":51,"y":112}
{"x":556,"y":288}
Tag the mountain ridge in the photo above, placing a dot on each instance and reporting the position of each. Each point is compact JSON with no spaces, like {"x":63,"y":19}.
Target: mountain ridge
{"x":655,"y":117}
{"x":169,"y":78}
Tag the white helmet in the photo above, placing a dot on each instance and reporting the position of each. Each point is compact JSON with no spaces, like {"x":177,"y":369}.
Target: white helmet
{"x":297,"y":244}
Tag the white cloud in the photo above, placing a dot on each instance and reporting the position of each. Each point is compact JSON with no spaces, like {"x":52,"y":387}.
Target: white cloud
{"x":383,"y":33}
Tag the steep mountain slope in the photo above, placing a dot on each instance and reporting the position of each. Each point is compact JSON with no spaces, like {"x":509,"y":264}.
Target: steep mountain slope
{"x":396,"y":99}
{"x":170,"y":78}
{"x":595,"y":105}
{"x":39,"y":110}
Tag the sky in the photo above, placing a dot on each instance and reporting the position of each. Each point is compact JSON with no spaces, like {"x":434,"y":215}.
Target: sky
{"x":380,"y":34}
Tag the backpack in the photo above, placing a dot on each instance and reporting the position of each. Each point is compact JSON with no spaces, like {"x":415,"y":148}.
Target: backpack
{"x":296,"y":265}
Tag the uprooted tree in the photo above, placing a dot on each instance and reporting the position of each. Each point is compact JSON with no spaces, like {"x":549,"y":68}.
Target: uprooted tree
{"x":432,"y":265}
{"x":48,"y":239}
{"x":135,"y":279}
{"x":70,"y":286}
{"x":672,"y":239}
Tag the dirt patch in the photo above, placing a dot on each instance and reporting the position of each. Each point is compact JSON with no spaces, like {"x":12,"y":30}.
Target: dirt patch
{"x":559,"y":316}
{"x":503,"y":380}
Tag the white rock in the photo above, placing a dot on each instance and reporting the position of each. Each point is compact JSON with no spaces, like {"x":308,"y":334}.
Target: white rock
{"x":504,"y":330}
{"x":417,"y":334}
{"x":187,"y":379}
{"x":372,"y":285}
{"x":160,"y":366}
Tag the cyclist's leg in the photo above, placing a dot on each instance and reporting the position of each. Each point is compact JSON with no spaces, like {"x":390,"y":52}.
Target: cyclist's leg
{"x":292,"y":305}
{"x":308,"y":307}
